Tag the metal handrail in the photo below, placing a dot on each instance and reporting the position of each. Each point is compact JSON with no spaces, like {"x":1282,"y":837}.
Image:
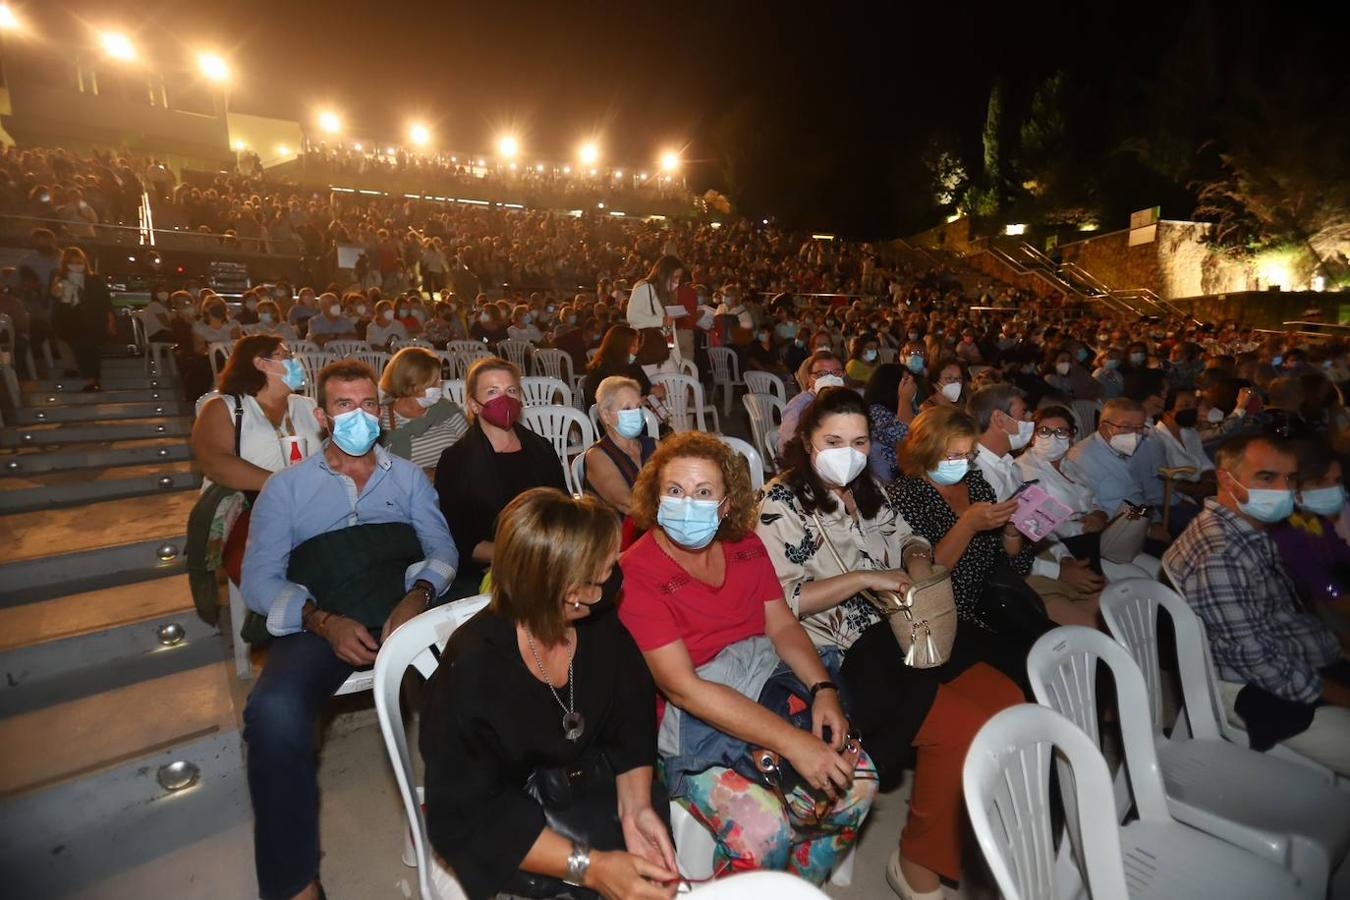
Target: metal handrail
{"x":1319,"y":324}
{"x":141,"y":235}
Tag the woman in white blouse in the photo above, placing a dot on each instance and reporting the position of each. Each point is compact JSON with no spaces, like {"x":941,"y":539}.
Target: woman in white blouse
{"x":270,"y":322}
{"x":826,"y":487}
{"x":1041,"y":462}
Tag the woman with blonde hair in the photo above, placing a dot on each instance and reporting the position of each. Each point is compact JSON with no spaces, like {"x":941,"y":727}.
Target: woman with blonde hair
{"x":419,"y":420}
{"x":547,"y":687}
{"x":613,"y":462}
{"x":703,"y":602}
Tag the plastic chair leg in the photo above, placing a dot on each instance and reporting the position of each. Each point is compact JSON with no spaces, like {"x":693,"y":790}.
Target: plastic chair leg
{"x":243,"y":666}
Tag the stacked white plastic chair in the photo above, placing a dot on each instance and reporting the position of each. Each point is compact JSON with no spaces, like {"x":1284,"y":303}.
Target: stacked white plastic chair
{"x":765,"y":412}
{"x":684,"y":399}
{"x":346,"y":348}
{"x":517,"y":352}
{"x":376,"y":360}
{"x":1162,"y":856}
{"x":556,"y":364}
{"x":454,"y":389}
{"x":312,"y":363}
{"x":766,"y":383}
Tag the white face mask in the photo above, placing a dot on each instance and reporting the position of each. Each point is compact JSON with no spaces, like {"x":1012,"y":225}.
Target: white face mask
{"x":1125,"y":444}
{"x":430,"y":397}
{"x":952,"y":391}
{"x":838,"y":466}
{"x":265,"y":318}
{"x":828,"y":381}
{"x":387,"y":315}
{"x":1023,"y":436}
{"x":1062,"y":368}
{"x":1215,"y":415}
{"x":360,"y":309}
{"x":335,"y":310}
{"x":1051,"y":448}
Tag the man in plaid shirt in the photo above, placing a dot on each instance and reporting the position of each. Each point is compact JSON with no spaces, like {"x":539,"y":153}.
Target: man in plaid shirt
{"x":1282,"y":671}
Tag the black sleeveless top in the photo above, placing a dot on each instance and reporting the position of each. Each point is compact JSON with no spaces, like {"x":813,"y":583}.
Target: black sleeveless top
{"x":622,"y":461}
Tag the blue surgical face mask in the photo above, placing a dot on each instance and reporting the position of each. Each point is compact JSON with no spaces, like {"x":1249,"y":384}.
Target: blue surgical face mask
{"x":1325,"y":501}
{"x":915,"y":364}
{"x":1081,"y":354}
{"x":355,"y":432}
{"x":950,"y":471}
{"x":1112,"y":364}
{"x":294,"y":376}
{"x":631,"y":423}
{"x":690,"y":523}
{"x":632,"y":358}
{"x":1267,"y":505}
{"x":869,"y":356}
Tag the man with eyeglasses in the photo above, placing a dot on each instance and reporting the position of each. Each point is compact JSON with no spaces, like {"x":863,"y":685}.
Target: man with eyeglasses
{"x":822,"y":370}
{"x":1001,"y":414}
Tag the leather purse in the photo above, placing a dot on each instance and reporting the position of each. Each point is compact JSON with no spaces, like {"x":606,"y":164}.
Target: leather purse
{"x":923,"y":618}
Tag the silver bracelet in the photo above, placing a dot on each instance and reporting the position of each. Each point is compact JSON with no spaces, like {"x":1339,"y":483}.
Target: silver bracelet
{"x":578,"y":863}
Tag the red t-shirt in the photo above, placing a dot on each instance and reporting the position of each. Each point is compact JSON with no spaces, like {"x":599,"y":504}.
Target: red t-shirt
{"x":662,"y":603}
{"x":686,"y":296}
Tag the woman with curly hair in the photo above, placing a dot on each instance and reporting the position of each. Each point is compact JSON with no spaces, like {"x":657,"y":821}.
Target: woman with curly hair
{"x":703,"y":602}
{"x":826,"y":492}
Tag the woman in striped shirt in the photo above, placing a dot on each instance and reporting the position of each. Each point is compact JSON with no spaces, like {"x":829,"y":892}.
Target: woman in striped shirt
{"x":418,"y":419}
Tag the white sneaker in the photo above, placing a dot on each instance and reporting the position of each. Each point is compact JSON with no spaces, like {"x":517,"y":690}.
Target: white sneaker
{"x":896,"y":879}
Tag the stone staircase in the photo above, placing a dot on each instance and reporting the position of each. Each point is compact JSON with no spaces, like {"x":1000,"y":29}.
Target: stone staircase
{"x":110,"y":676}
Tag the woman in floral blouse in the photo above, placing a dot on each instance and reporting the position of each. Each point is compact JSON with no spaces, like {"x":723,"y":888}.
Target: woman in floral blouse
{"x":826,"y":486}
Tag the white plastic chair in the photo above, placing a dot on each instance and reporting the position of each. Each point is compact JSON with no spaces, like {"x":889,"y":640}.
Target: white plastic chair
{"x":579,"y":474}
{"x":760,"y":886}
{"x":687,"y":367}
{"x":465,"y":346}
{"x":461,"y":360}
{"x":684,"y":399}
{"x":1270,"y":806}
{"x":299,"y":346}
{"x":1006,"y":786}
{"x":417,"y":342}
{"x":771,"y":445}
{"x":412,"y":645}
{"x":342,"y":349}
{"x":558,"y":423}
{"x":766,"y":383}
{"x":1062,"y":666}
{"x":752,"y":458}
{"x":556,"y":364}
{"x":517,"y":352}
{"x":1140,"y":638}
{"x":454,"y":389}
{"x":376,"y":360}
{"x":217,"y":354}
{"x":537,"y":390}
{"x":886,"y":355}
{"x":765,"y":411}
{"x":312,"y":363}
{"x":653,"y":423}
{"x":726,"y":373}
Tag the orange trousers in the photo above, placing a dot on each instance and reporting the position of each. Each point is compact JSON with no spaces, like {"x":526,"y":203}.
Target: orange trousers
{"x":932,"y":836}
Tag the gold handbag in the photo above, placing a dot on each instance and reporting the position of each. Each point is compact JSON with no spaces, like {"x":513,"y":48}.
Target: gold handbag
{"x":923,"y":618}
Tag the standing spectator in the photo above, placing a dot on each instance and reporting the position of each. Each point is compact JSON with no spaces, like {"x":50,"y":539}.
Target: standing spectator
{"x":82,"y":314}
{"x":433,"y":267}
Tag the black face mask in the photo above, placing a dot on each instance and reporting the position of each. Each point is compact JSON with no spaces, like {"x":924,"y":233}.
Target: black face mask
{"x":1186,"y":418}
{"x":609,"y":594}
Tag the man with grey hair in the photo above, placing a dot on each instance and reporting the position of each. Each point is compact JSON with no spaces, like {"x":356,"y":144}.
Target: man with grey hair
{"x":1282,"y":672}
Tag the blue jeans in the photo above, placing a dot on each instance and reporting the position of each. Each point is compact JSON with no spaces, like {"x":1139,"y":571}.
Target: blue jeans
{"x":281,"y":730}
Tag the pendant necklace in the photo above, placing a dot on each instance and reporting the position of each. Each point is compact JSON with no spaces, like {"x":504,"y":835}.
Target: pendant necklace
{"x":573,"y":723}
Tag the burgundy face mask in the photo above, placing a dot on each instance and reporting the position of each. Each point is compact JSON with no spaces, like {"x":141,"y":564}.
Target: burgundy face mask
{"x":502,"y":411}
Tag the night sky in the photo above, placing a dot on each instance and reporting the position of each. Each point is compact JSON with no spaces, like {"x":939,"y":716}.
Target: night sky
{"x":827,"y":105}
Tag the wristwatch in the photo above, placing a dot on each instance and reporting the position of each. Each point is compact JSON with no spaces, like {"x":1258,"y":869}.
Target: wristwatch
{"x":578,"y":862}
{"x":823,"y":686}
{"x":427,"y":591}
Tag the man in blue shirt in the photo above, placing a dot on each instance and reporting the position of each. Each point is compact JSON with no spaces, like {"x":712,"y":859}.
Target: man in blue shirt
{"x":330,"y":324}
{"x":352,"y":482}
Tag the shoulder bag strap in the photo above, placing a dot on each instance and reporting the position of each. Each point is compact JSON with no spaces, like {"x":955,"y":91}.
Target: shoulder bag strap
{"x":238,"y":423}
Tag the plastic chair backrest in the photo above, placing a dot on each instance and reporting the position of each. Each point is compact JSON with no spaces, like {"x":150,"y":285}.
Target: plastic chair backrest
{"x":726,"y":369}
{"x":590,"y":354}
{"x":377,"y":361}
{"x":217,"y":354}
{"x":1130,"y":608}
{"x":348,"y":348}
{"x":312,"y":363}
{"x":653,"y":423}
{"x":465,"y":346}
{"x":299,"y":346}
{"x":766,"y":383}
{"x":886,"y":355}
{"x":771,"y":444}
{"x":553,"y":363}
{"x":411,"y":645}
{"x":1085,"y":411}
{"x":202,"y":401}
{"x":687,"y":367}
{"x":556,"y":423}
{"x":418,"y":342}
{"x":1062,"y":666}
{"x":540,"y":390}
{"x":454,"y":389}
{"x":1006,"y":781}
{"x":579,"y":473}
{"x":752,"y":458}
{"x":761,"y":886}
{"x":517,"y":352}
{"x":461,"y":361}
{"x":686,"y":413}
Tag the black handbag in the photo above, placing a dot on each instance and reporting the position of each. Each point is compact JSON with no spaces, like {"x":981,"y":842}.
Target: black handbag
{"x":581,"y":803}
{"x":1011,"y":608}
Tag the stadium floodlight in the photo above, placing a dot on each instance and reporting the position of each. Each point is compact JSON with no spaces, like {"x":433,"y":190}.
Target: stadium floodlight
{"x":419,"y":133}
{"x":508,"y":146}
{"x":8,"y":21}
{"x":358,"y":148}
{"x":214,"y":67}
{"x":539,"y":168}
{"x":117,"y":46}
{"x":389,"y":151}
{"x":567,"y":170}
{"x":618,"y":173}
{"x":670,"y":161}
{"x":283,"y":150}
{"x":589,"y":154}
{"x":238,"y":145}
{"x":329,"y":122}
{"x":513,"y":167}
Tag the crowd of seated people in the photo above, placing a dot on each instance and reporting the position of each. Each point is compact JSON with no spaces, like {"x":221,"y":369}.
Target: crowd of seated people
{"x":1252,"y":530}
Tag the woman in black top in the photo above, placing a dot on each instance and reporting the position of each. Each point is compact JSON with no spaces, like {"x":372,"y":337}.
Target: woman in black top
{"x":547,"y":678}
{"x":616,"y":356}
{"x":613,"y":462}
{"x":82,"y":313}
{"x":497,"y":459}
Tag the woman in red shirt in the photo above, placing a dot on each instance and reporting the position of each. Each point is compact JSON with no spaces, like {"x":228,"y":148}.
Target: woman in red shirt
{"x":703,"y":602}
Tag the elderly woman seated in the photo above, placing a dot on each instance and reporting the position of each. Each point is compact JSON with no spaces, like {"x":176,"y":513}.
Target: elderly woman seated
{"x":613,"y":462}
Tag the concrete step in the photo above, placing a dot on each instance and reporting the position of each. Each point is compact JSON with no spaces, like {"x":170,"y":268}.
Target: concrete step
{"x":29,"y":461}
{"x":56,"y":434}
{"x":68,"y":740}
{"x":119,"y":834}
{"x":76,"y":488}
{"x":16,"y":480}
{"x":95,"y":612}
{"x":100,"y":412}
{"x":139,"y":395}
{"x":136,"y":381}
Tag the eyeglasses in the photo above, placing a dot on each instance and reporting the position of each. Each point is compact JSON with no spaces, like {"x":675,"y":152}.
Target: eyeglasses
{"x":1056,"y":432}
{"x":836,"y":372}
{"x":957,"y":457}
{"x":1126,"y":429}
